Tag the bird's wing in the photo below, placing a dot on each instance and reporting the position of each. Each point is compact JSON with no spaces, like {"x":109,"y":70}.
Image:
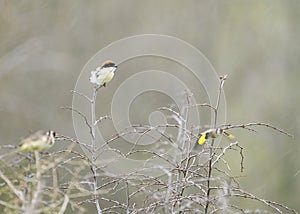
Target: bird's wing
{"x":202,"y":139}
{"x":34,"y":137}
{"x":102,"y":73}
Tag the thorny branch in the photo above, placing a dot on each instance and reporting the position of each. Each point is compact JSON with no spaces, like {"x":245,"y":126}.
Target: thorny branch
{"x":211,"y":150}
{"x":198,"y":181}
{"x":247,"y":125}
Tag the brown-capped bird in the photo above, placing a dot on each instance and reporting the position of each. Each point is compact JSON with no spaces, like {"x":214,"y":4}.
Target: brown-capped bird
{"x":102,"y":75}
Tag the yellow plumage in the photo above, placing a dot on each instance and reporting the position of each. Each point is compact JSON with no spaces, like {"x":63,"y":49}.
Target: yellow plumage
{"x":211,"y":133}
{"x":108,"y":77}
{"x":202,"y":139}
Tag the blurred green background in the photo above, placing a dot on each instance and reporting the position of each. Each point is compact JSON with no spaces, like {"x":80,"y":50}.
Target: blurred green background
{"x":44,"y":45}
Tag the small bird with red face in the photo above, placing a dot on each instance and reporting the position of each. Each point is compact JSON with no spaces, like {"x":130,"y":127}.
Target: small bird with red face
{"x":104,"y":74}
{"x":213,"y":133}
{"x":41,"y":140}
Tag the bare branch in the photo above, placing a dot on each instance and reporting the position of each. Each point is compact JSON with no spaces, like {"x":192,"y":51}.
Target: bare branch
{"x":202,"y":105}
{"x":13,"y":188}
{"x":245,"y":126}
{"x":102,"y":118}
{"x":172,"y":111}
{"x":80,"y":114}
{"x":82,"y":95}
{"x":67,"y":138}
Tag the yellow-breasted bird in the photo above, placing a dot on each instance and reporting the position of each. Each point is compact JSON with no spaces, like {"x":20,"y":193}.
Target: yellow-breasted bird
{"x":213,"y":133}
{"x":41,"y":140}
{"x":104,"y":74}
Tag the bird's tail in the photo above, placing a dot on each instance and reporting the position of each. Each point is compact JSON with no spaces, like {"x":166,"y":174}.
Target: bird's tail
{"x":229,"y":136}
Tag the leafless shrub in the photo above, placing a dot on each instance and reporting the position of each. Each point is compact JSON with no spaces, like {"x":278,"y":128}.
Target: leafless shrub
{"x":194,"y":181}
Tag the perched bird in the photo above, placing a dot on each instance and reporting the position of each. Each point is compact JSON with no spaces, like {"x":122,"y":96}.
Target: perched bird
{"x":213,"y":133}
{"x":103,"y":74}
{"x":38,"y":141}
